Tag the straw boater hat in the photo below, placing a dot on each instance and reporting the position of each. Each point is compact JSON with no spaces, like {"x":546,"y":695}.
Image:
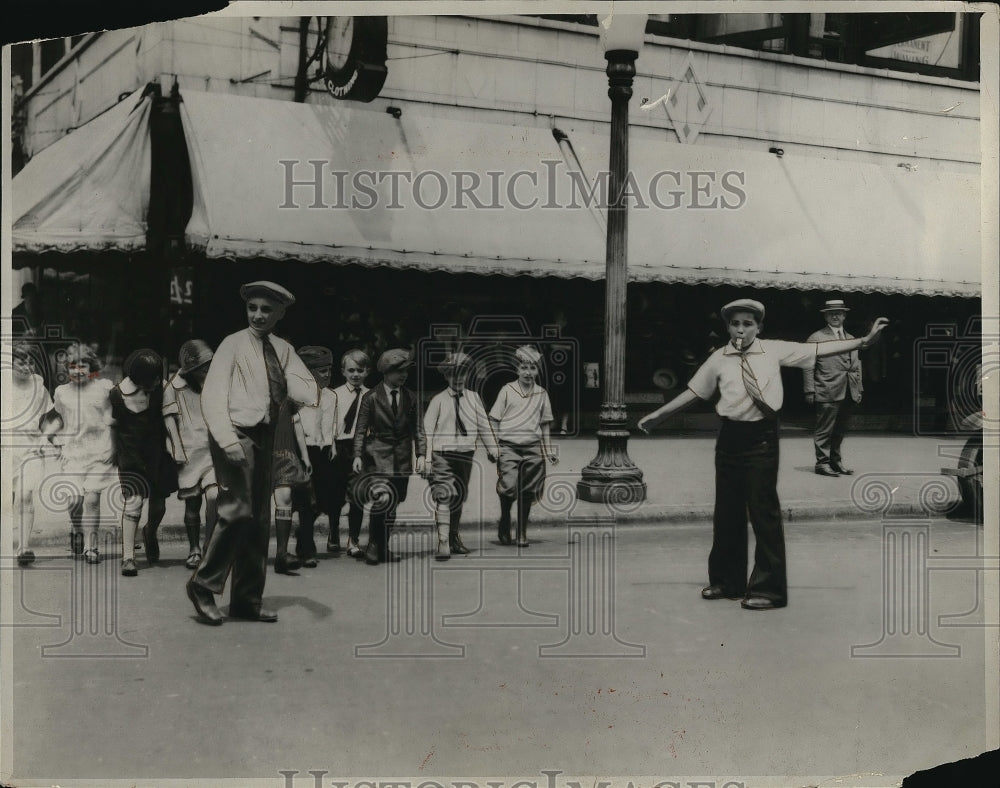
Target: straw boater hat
{"x":316,"y":356}
{"x":835,"y":305}
{"x":743,"y":305}
{"x":393,"y":359}
{"x":268,"y":290}
{"x":193,"y":354}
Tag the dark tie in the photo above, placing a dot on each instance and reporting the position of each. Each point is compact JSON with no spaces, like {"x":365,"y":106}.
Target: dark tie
{"x":459,"y":426}
{"x":352,"y":413}
{"x":753,"y":388}
{"x":395,"y":403}
{"x":276,"y":384}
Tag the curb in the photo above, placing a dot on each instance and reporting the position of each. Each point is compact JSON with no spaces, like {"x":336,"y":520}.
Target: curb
{"x":647,"y":515}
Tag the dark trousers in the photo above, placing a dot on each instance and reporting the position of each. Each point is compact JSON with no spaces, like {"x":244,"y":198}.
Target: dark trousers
{"x":746,"y":479}
{"x":832,"y":421}
{"x":342,"y":489}
{"x":383,"y":516}
{"x":450,"y":473}
{"x":239,"y":540}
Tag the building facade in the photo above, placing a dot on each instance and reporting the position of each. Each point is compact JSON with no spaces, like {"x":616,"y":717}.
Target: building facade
{"x":801,"y":156}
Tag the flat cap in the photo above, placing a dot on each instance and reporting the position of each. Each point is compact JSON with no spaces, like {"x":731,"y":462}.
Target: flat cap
{"x":268,"y":290}
{"x":316,"y":356}
{"x":743,"y":305}
{"x":395,"y":358}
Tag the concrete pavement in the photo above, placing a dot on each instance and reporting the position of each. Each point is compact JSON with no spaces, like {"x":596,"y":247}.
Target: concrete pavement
{"x":898,"y":472}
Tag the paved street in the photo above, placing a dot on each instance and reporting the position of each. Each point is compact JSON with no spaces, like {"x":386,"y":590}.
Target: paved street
{"x":696,"y":688}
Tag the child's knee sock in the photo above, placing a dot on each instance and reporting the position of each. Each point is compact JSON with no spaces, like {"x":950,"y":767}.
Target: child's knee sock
{"x":130,"y":524}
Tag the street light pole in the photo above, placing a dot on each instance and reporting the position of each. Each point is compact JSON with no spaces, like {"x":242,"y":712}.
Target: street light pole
{"x":611,"y":476}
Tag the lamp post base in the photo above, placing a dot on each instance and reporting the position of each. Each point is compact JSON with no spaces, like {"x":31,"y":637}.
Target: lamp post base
{"x":611,"y":477}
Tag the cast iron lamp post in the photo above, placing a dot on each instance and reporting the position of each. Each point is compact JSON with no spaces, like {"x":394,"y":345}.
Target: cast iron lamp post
{"x":611,"y":476}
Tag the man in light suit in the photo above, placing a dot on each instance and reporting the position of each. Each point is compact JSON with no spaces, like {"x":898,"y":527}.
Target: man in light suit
{"x":834,"y":385}
{"x":387,"y":432}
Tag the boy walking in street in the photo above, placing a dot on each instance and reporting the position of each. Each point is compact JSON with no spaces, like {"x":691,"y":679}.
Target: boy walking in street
{"x":249,"y":379}
{"x":354,"y":366}
{"x":746,"y":375}
{"x":454,"y":421}
{"x":522,"y":415}
{"x":387,"y":429}
{"x":318,"y":429}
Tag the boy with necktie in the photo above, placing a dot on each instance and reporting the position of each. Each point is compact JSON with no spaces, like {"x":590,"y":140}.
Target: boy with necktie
{"x":387,"y":429}
{"x":249,"y":379}
{"x":746,"y":374}
{"x":354,"y":366}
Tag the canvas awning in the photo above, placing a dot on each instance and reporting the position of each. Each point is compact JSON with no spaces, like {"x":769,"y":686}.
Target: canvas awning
{"x":88,"y":191}
{"x":802,"y":222}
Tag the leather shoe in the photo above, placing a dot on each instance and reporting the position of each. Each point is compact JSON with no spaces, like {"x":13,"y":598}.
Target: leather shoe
{"x":370,"y":555}
{"x":333,"y":547}
{"x":826,"y":470}
{"x":284,"y":564}
{"x":503,"y":534}
{"x":718,"y":592}
{"x":456,"y":546}
{"x":309,"y":563}
{"x":263,"y":614}
{"x":842,"y":470}
{"x":759,"y":603}
{"x":204,"y":604}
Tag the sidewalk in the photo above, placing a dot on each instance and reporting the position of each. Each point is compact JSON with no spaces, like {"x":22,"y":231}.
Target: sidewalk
{"x":680,"y":480}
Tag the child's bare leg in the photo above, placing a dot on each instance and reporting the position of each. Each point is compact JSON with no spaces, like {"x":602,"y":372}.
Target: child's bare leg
{"x":24,"y":552}
{"x":90,"y":519}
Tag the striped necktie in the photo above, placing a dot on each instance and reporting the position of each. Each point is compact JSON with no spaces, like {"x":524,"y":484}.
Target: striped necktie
{"x":753,"y":387}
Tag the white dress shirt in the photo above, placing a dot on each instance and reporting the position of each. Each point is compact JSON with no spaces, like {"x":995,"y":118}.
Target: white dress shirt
{"x":442,"y":431}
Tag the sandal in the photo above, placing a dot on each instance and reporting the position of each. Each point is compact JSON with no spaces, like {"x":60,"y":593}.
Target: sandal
{"x":25,"y":557}
{"x":193,"y":559}
{"x":91,"y":556}
{"x":129,"y":568}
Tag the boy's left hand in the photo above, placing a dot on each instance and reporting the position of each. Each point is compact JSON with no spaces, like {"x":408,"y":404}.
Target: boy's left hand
{"x":419,"y":465}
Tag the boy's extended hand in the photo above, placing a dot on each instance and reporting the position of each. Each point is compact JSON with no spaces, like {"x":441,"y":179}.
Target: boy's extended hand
{"x":645,"y":424}
{"x":235,"y":454}
{"x":356,"y":465}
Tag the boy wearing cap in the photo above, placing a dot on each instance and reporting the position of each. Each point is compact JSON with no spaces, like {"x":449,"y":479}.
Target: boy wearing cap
{"x":834,"y":386}
{"x":187,"y":435}
{"x":521,"y":417}
{"x":317,"y":425}
{"x":386,"y":431}
{"x":454,"y":421}
{"x":746,"y":374}
{"x":354,"y":366}
{"x":251,"y":376}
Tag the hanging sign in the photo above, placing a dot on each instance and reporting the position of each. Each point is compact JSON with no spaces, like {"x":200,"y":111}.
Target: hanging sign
{"x":354,"y":56}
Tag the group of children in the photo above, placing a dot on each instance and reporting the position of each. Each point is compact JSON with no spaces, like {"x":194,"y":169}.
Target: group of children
{"x":323,"y":447}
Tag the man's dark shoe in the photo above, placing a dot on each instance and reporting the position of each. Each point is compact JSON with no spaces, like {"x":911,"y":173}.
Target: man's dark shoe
{"x":842,"y":470}
{"x":309,"y":563}
{"x":760,"y":603}
{"x":826,"y":470}
{"x":371,"y":555}
{"x":718,"y":592}
{"x":204,"y":604}
{"x":284,"y":564}
{"x":503,"y":534}
{"x":249,"y":614}
{"x":150,"y":545}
